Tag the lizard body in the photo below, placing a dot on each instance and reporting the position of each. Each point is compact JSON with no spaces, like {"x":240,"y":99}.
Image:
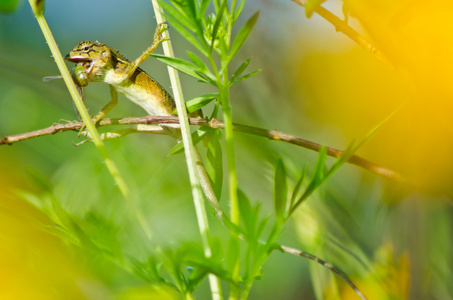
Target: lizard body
{"x":104,"y":64}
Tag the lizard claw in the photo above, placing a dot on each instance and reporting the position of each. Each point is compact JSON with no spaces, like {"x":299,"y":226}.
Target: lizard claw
{"x":161,"y":27}
{"x":83,"y":130}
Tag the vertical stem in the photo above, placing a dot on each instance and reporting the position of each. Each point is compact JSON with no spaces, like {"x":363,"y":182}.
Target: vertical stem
{"x":229,"y":140}
{"x":197,"y":193}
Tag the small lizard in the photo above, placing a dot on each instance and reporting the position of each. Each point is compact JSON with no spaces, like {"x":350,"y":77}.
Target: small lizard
{"x":104,"y":64}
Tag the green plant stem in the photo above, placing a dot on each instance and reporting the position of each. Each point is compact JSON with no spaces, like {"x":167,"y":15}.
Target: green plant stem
{"x":229,"y":141}
{"x":85,"y":115}
{"x":197,"y":193}
{"x":227,"y":114}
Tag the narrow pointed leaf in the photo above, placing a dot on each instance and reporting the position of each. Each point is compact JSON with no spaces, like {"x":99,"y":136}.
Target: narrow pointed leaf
{"x":317,"y":178}
{"x":280,"y":190}
{"x":197,"y":61}
{"x":200,"y":102}
{"x":246,"y":76}
{"x":177,"y":15}
{"x":186,"y":33}
{"x":207,"y":77}
{"x":203,"y":69}
{"x":243,"y":34}
{"x":239,"y":9}
{"x":203,"y":6}
{"x":347,"y":153}
{"x":298,"y":186}
{"x":261,"y":226}
{"x":319,"y":172}
{"x":246,"y":214}
{"x":189,"y":9}
{"x":180,"y":64}
{"x":218,"y":21}
{"x":240,"y":70}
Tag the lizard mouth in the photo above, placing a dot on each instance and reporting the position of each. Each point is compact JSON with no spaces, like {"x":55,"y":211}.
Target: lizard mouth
{"x":86,"y":63}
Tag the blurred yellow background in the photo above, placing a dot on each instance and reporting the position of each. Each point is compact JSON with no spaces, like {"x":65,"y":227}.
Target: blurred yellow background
{"x":393,"y":239}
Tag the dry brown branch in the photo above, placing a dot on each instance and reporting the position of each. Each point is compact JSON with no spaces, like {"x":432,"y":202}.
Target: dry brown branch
{"x":215,"y":124}
{"x":325,"y":264}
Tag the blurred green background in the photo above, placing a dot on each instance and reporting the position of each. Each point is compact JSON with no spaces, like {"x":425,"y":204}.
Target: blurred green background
{"x":393,"y":239}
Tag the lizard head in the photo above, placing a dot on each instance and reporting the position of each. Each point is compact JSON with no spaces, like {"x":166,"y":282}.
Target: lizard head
{"x":94,"y":57}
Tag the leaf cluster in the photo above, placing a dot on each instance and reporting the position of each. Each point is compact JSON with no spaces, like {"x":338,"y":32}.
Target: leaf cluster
{"x":211,"y":35}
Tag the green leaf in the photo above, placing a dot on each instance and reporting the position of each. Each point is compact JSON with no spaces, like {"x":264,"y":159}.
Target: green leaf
{"x":347,"y":153}
{"x":189,"y":9}
{"x":280,"y":191}
{"x":240,"y":70}
{"x":319,"y":172}
{"x":246,"y":214}
{"x":214,"y":163}
{"x":202,"y":68}
{"x":243,"y":34}
{"x":197,"y":61}
{"x":298,"y":186}
{"x":181,"y":65}
{"x":8,"y":6}
{"x":218,"y":21}
{"x":69,"y":226}
{"x":199,"y":102}
{"x":183,"y":31}
{"x":261,"y":226}
{"x":40,"y":180}
{"x":317,"y":178}
{"x":311,"y":5}
{"x":239,"y":9}
{"x":203,"y":6}
{"x":246,"y":76}
{"x":177,"y":15}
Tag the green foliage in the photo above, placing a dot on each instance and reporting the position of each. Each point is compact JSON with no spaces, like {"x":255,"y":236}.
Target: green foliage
{"x":201,"y":101}
{"x":8,"y":6}
{"x":209,"y":34}
{"x":281,"y":191}
{"x":253,"y":237}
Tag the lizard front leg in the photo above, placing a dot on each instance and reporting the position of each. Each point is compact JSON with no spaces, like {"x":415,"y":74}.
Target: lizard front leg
{"x":113,"y":102}
{"x":157,"y":40}
{"x":100,"y":115}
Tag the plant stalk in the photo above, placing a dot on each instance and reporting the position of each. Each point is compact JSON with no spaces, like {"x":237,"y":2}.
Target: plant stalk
{"x":197,"y":193}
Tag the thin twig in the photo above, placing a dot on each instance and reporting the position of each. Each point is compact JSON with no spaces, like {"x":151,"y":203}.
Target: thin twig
{"x":325,"y":264}
{"x":342,"y":26}
{"x":215,"y":124}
